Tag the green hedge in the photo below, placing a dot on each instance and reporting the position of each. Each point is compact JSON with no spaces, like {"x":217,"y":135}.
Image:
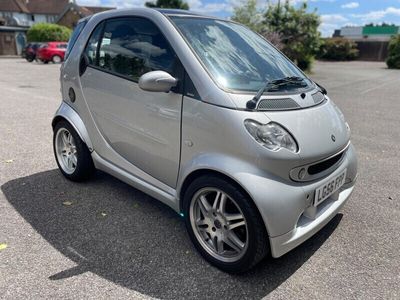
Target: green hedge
{"x":46,"y":32}
{"x":338,"y":49}
{"x":393,"y":60}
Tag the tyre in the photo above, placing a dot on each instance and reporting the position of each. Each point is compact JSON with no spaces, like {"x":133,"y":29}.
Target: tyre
{"x":56,"y":59}
{"x":29,"y":59}
{"x":224,"y":224}
{"x":72,"y":155}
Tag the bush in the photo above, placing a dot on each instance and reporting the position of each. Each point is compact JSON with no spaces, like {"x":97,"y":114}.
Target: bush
{"x":338,"y":49}
{"x":393,"y":60}
{"x":46,"y":32}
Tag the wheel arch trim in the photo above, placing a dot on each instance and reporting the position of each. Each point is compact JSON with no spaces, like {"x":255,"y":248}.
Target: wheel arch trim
{"x":231,"y":174}
{"x":66,"y":112}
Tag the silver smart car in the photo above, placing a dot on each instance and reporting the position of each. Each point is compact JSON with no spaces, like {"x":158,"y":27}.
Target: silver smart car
{"x":208,"y":117}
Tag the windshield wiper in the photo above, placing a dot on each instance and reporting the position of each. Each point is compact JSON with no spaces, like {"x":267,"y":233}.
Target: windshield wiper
{"x":293,"y":80}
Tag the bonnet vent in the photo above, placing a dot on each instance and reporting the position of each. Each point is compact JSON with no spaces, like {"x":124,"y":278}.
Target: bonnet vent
{"x":318,"y":97}
{"x":278,"y":104}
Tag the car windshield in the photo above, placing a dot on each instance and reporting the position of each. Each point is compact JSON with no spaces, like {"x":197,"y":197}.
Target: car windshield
{"x":236,"y":57}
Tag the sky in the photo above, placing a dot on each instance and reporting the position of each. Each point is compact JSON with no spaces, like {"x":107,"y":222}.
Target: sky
{"x":334,"y":13}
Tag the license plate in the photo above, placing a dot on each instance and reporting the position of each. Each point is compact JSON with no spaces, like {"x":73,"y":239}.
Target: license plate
{"x":324,"y":192}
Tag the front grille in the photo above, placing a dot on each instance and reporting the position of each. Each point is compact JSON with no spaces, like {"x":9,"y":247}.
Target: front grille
{"x":326,"y":164}
{"x":278,"y":104}
{"x":319,"y":169}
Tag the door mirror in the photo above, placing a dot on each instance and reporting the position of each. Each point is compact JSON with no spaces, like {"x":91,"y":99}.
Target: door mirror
{"x":157,"y":81}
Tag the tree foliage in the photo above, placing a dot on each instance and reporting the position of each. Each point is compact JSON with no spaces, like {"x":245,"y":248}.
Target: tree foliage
{"x":249,"y":15}
{"x":393,"y":60}
{"x":179,"y":4}
{"x":338,"y":49}
{"x":46,"y":32}
{"x":295,"y":30}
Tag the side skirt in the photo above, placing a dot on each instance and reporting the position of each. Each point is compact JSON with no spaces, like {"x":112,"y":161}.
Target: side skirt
{"x":136,"y":182}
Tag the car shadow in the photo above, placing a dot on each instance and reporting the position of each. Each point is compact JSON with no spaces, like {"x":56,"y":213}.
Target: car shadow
{"x":119,"y":233}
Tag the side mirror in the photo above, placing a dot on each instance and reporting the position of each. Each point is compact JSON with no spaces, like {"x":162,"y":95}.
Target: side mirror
{"x":157,"y":81}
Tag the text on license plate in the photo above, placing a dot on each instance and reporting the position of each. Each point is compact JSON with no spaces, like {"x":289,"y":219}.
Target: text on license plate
{"x":329,"y":188}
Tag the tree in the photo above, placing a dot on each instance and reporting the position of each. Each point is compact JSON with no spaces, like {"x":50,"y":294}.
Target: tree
{"x":179,"y":4}
{"x":292,"y":30}
{"x":249,"y":15}
{"x":298,"y":29}
{"x":46,"y":32}
{"x":393,"y":60}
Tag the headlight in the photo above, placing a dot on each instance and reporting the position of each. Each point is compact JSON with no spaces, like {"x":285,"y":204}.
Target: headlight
{"x":271,"y":135}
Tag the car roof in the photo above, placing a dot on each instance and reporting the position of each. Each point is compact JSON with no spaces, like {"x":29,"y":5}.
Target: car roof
{"x":168,"y":11}
{"x":55,"y":43}
{"x":163,"y":11}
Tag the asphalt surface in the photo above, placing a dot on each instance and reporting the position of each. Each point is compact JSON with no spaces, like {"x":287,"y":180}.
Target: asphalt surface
{"x":104,"y":239}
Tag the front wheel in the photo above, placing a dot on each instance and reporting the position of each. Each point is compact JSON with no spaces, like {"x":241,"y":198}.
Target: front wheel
{"x":224,"y":224}
{"x":72,"y":155}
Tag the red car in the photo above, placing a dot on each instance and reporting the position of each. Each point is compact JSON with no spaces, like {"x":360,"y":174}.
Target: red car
{"x":52,"y":51}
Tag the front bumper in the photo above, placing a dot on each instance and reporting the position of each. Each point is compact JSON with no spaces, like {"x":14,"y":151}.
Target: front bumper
{"x":287,"y":210}
{"x":313,"y":218}
{"x":307,"y":228}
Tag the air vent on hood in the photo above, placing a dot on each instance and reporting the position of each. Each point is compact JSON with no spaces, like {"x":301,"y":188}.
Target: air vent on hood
{"x":318,"y":97}
{"x":278,"y":104}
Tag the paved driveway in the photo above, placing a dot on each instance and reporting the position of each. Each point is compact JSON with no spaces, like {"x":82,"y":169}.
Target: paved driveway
{"x":105,"y":239}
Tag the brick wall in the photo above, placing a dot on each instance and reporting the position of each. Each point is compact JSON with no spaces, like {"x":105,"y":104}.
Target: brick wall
{"x":7,"y":43}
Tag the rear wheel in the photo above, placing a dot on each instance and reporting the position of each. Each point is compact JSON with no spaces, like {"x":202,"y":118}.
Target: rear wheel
{"x":56,"y":59}
{"x":72,"y":155}
{"x":224,"y":224}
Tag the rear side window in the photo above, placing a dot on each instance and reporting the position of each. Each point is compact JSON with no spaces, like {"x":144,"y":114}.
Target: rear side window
{"x":130,"y":47}
{"x":77,"y":31}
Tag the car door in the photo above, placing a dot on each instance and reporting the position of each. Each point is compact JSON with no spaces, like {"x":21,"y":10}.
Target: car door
{"x":140,"y":126}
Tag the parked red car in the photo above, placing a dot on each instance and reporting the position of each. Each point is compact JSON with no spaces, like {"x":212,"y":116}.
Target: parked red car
{"x":52,"y":51}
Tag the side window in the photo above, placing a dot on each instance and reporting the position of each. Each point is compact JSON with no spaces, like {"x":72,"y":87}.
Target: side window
{"x":74,"y":37}
{"x":133,"y":46}
{"x":91,"y":47}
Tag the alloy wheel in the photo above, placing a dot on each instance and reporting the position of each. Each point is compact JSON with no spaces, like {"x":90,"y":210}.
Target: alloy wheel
{"x":66,"y":151}
{"x":219,"y":224}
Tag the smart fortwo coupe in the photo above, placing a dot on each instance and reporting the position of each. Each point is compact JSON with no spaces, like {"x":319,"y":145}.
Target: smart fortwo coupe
{"x":208,"y":117}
